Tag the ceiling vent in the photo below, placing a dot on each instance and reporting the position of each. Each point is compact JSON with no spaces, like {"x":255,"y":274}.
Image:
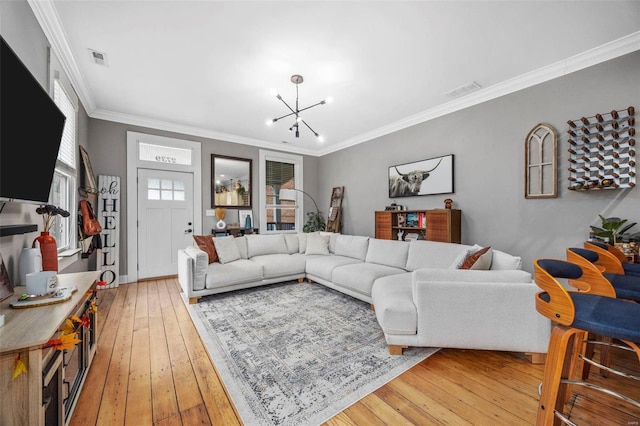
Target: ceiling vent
{"x":465,"y":89}
{"x":99,"y":57}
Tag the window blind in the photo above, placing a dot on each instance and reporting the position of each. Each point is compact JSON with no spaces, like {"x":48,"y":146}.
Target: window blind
{"x":67,"y":152}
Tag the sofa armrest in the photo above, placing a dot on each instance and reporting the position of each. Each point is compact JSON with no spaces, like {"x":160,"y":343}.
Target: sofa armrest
{"x":192,"y":269}
{"x":479,"y":310}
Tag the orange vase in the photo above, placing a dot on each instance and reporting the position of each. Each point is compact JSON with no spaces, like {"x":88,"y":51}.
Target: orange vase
{"x":49,"y":251}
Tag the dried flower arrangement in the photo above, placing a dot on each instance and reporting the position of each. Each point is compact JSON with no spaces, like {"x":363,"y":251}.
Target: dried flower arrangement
{"x":48,"y":212}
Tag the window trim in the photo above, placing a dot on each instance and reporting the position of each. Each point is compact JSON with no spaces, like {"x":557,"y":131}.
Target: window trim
{"x":297,"y":161}
{"x":68,"y":171}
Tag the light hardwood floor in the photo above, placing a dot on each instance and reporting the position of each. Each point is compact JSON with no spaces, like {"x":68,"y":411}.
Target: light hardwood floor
{"x":152,"y":369}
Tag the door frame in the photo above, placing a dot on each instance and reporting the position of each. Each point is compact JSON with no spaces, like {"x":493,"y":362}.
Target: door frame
{"x":133,"y":164}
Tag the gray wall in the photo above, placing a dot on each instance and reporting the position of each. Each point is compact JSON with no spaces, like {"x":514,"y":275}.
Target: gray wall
{"x":108,"y":152}
{"x":488,"y":143}
{"x":22,"y":32}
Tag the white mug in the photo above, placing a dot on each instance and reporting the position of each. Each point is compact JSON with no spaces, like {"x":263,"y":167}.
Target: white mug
{"x":41,"y":283}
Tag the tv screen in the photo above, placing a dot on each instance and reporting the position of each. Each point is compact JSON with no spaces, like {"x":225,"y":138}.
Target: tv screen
{"x":31,"y":128}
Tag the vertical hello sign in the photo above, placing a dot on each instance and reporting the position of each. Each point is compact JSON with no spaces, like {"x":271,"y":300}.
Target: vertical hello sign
{"x":109,"y":215}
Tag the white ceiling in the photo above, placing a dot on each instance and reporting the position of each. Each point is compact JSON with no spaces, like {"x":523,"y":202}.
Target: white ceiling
{"x":206,"y":68}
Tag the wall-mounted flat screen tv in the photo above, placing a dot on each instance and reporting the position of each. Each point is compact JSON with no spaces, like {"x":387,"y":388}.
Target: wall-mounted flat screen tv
{"x":31,"y":128}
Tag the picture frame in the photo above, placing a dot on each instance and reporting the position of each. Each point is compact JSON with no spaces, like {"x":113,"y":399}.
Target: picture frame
{"x":242,"y":217}
{"x":6,"y":288}
{"x":424,"y":177}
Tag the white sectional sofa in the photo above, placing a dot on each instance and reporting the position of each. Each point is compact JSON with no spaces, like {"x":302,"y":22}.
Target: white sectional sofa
{"x":419,"y":296}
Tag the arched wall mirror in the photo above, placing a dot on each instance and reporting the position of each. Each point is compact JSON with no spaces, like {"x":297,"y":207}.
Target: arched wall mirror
{"x":230,"y":182}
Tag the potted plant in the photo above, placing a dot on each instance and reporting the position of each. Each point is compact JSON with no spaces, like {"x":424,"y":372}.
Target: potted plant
{"x":612,"y":229}
{"x":240,"y":190}
{"x":315,"y":222}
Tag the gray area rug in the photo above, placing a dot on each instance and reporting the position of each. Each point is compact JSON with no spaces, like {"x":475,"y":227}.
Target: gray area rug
{"x":296,"y":354}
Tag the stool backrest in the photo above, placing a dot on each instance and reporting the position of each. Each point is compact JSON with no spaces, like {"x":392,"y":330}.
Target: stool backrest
{"x":554,"y":302}
{"x":611,"y":249}
{"x":593,"y":281}
{"x":607,"y":259}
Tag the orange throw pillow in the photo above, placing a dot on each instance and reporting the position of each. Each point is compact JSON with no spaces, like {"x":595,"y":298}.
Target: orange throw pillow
{"x":205,"y":243}
{"x":471,"y":260}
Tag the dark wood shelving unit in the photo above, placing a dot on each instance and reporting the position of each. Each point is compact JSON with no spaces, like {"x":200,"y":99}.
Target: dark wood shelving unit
{"x":442,"y":225}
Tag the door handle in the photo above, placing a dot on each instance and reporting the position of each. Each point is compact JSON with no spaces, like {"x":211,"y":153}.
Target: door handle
{"x":188,"y":231}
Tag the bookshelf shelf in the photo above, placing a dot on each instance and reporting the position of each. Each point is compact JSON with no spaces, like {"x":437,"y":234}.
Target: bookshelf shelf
{"x":442,"y":225}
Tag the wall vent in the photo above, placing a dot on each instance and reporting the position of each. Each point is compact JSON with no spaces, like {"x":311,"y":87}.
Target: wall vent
{"x":99,"y":57}
{"x":465,"y":89}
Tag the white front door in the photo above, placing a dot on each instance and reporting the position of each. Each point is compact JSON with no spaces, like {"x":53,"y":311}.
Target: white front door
{"x":165,"y":220}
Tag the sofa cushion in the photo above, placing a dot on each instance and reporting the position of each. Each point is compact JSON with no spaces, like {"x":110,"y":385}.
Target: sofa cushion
{"x":472,"y":276}
{"x":293,"y":243}
{"x":387,"y":252}
{"x":302,"y":242}
{"x":352,"y":246}
{"x":242,"y":246}
{"x":205,"y":243}
{"x":323,"y":266}
{"x":317,"y":244}
{"x":480,"y":259}
{"x":227,"y":249}
{"x":433,"y":254}
{"x":393,"y":300}
{"x":502,"y":260}
{"x":281,"y":265}
{"x":359,"y":277}
{"x":258,"y":245}
{"x":237,"y":272}
{"x":333,"y":236}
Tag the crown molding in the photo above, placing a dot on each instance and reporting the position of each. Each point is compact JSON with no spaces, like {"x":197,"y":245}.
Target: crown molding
{"x":48,"y":19}
{"x":47,"y":16}
{"x":622,"y":46}
{"x":135,"y":120}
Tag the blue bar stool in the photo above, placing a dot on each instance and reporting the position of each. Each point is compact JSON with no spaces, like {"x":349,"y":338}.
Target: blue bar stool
{"x":613,"y":258}
{"x":625,"y":286}
{"x":592,"y":308}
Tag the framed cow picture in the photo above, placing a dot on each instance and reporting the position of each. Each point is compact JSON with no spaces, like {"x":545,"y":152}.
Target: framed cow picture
{"x":425,"y":177}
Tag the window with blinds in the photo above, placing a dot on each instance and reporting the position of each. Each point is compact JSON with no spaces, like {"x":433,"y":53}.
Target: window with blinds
{"x":280,"y":171}
{"x":281,"y":214}
{"x":64,"y":178}
{"x":67,"y":152}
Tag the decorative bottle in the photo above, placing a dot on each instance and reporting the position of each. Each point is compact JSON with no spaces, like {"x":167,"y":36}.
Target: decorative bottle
{"x":49,"y":251}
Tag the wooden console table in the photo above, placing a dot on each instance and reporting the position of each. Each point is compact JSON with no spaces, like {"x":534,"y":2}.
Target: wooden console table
{"x":46,"y":393}
{"x":236,"y":232}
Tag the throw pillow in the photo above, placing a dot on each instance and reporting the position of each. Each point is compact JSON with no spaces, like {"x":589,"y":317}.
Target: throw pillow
{"x":293,"y":245}
{"x":317,"y":244}
{"x":459,"y":260}
{"x":227,"y":249}
{"x":302,"y":242}
{"x":480,"y":260}
{"x":205,"y":243}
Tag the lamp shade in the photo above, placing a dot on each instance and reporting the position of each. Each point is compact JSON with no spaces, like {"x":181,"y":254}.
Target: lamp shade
{"x":287,"y":195}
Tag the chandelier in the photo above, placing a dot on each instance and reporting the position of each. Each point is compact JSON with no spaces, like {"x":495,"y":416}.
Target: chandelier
{"x":295,"y":127}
